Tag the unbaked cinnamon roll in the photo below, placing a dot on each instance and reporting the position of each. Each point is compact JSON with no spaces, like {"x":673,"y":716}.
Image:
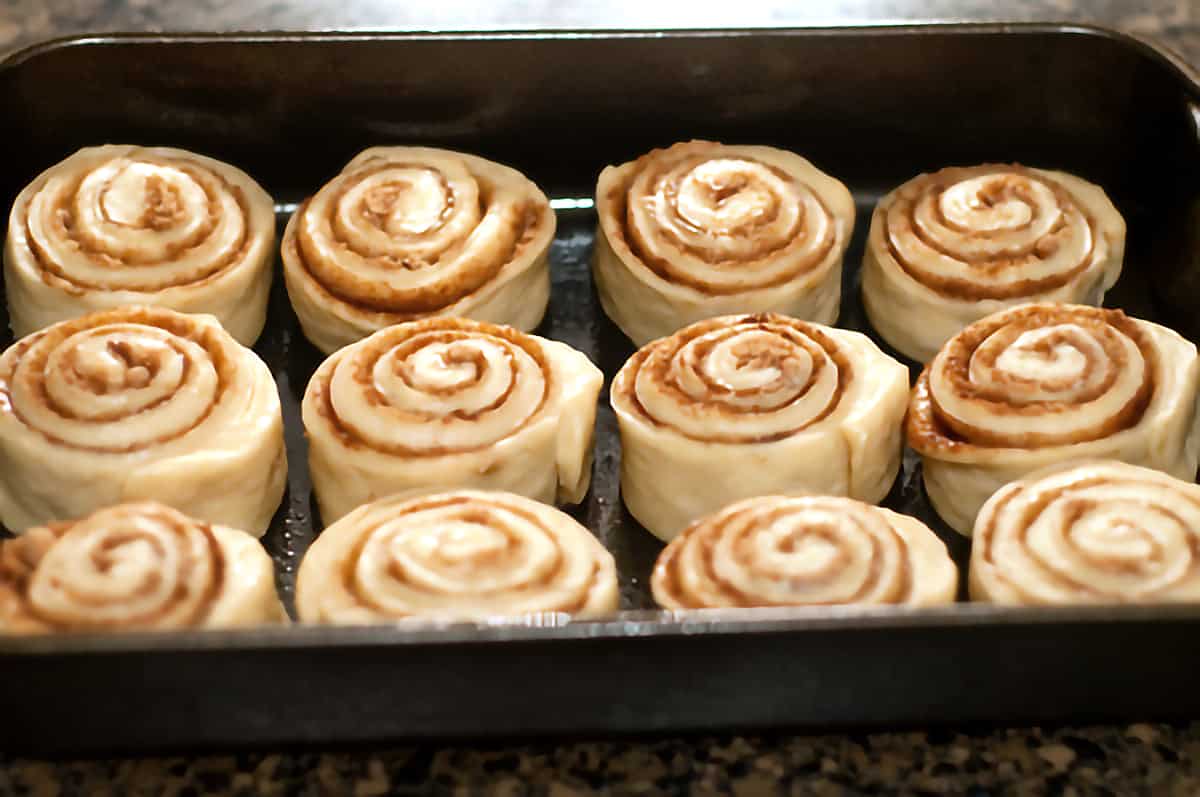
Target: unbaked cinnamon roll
{"x":408,"y":232}
{"x":702,"y":229}
{"x":812,"y":550}
{"x":120,"y":225}
{"x":139,"y":566}
{"x":951,"y":247}
{"x":138,"y":403}
{"x":1048,"y":383}
{"x":740,"y":406}
{"x":447,"y":402}
{"x":462,"y":555}
{"x":1094,"y":532}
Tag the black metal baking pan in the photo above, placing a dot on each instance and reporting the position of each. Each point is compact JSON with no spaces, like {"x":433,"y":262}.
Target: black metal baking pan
{"x":873,"y":106}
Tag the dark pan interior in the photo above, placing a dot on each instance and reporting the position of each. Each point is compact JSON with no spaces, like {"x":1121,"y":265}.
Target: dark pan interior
{"x":872,"y":109}
{"x":871,"y":106}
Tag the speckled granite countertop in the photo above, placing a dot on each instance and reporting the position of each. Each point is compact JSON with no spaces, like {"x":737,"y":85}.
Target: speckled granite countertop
{"x":1126,"y":759}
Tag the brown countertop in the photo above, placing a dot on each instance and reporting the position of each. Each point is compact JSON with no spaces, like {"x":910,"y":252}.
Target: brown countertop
{"x":1104,"y":759}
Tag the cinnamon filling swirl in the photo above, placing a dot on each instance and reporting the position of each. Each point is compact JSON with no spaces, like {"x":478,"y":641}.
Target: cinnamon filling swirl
{"x":407,"y":232}
{"x":745,"y":405}
{"x":702,"y":229}
{"x":777,"y":551}
{"x":139,"y":402}
{"x":1098,"y":532}
{"x":136,"y":566}
{"x":758,"y":378}
{"x":434,"y":387}
{"x":447,"y":402}
{"x":722,"y":222}
{"x":460,"y":555}
{"x":117,"y":225}
{"x":116,"y":382}
{"x":989,"y":232}
{"x":1045,"y":383}
{"x":948,"y":248}
{"x":1036,"y":376}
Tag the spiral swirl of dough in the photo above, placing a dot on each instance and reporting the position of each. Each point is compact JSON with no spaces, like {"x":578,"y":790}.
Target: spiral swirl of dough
{"x":700,"y":229}
{"x":435,"y":387}
{"x":134,"y":566}
{"x":810,"y":408}
{"x":1095,"y":532}
{"x":753,"y":379}
{"x":407,"y":232}
{"x":447,"y":402}
{"x":950,"y":247}
{"x":1042,"y":383}
{"x":695,"y":211}
{"x":1042,"y":375}
{"x":123,"y":403}
{"x":119,"y":225}
{"x":462,"y":555}
{"x":811,"y":550}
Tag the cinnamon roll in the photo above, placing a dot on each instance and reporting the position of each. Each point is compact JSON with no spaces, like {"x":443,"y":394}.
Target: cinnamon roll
{"x":408,"y":232}
{"x":740,"y":406}
{"x":951,"y":247}
{"x":1048,"y":383}
{"x":702,"y":229}
{"x":812,"y":550}
{"x":462,"y":555}
{"x":139,"y":566}
{"x":119,"y":225}
{"x":447,"y":402}
{"x":1093,"y":532}
{"x":138,"y":403}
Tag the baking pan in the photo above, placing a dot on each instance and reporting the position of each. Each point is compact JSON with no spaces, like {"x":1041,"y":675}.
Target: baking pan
{"x":873,"y":106}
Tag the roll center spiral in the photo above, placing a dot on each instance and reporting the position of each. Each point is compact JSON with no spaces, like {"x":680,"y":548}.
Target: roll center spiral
{"x":129,"y":568}
{"x":439,"y":390}
{"x":801,"y":545}
{"x":1043,"y":364}
{"x":115,"y":387}
{"x":448,"y":366}
{"x":989,"y":232}
{"x":753,"y":360}
{"x":449,"y":552}
{"x":992,"y":203}
{"x":404,"y":202}
{"x":804,"y":550}
{"x":725,"y":196}
{"x":1116,"y":536}
{"x":776,"y":377}
{"x":122,"y":363}
{"x":149,"y":196}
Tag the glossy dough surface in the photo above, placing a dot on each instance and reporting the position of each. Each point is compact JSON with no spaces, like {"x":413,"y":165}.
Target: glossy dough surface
{"x":408,"y":232}
{"x":138,"y":403}
{"x":1050,"y":383}
{"x":740,"y":406}
{"x":462,"y":555}
{"x":702,"y":229}
{"x":445,"y":403}
{"x":1096,"y":532}
{"x":812,"y":550}
{"x":951,"y":247}
{"x":118,"y":225}
{"x":138,"y":566}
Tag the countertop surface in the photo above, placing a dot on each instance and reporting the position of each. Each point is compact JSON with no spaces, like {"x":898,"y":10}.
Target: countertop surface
{"x":1106,"y":759}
